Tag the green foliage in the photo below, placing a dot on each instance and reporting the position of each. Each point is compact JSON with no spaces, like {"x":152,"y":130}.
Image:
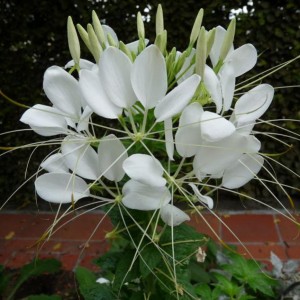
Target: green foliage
{"x":4,"y":279}
{"x":33,"y":269}
{"x":89,"y":288}
{"x":143,"y":267}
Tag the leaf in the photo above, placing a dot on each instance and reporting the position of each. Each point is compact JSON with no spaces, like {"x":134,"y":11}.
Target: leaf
{"x":248,"y":271}
{"x":149,"y":258}
{"x":84,"y":276}
{"x":204,"y":291}
{"x":4,"y":279}
{"x":89,"y":288}
{"x":125,"y":270}
{"x":186,"y":241}
{"x":36,"y":268}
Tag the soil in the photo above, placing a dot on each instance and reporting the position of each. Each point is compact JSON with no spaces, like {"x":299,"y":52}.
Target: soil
{"x":61,"y":284}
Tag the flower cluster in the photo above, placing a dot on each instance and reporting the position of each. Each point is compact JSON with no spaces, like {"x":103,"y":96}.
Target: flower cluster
{"x":148,"y":128}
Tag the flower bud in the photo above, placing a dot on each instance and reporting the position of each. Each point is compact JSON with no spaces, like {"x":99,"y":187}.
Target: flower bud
{"x":125,"y":49}
{"x":210,"y":38}
{"x":73,"y":41}
{"x":228,"y":40}
{"x":140,"y":26}
{"x":84,"y":36}
{"x":161,"y":41}
{"x":196,"y":27}
{"x":159,"y":21}
{"x":111,"y":40}
{"x":201,"y":53}
{"x":98,"y":29}
{"x":96,"y":49}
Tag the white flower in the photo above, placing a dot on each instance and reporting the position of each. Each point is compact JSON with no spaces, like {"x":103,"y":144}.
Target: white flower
{"x":61,"y":187}
{"x":147,"y":191}
{"x":118,"y":83}
{"x":63,"y":91}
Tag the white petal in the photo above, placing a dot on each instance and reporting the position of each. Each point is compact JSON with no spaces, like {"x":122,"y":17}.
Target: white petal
{"x":84,"y":121}
{"x":172,"y":215}
{"x":227,"y":81}
{"x":175,"y":101}
{"x":45,"y":120}
{"x":242,"y":59}
{"x":208,"y":201}
{"x":242,"y":171}
{"x":253,"y":104}
{"x":61,"y":187}
{"x":187,"y":69}
{"x":108,"y":30}
{"x":145,"y":169}
{"x":216,"y":48}
{"x":55,"y":163}
{"x":217,"y":45}
{"x":63,"y":91}
{"x":112,"y":154}
{"x":144,"y":197}
{"x":94,"y":94}
{"x":133,"y":46}
{"x":114,"y":71}
{"x":83,"y":64}
{"x":188,"y":136}
{"x":149,"y":77}
{"x":169,"y":138}
{"x":213,"y":158}
{"x":214,"y":127}
{"x":80,"y":157}
{"x":213,"y":86}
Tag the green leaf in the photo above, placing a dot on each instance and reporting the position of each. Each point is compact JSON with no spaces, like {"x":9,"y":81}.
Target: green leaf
{"x":36,"y":268}
{"x":203,"y":290}
{"x":126,"y":270}
{"x":248,"y":271}
{"x":149,"y":258}
{"x":4,"y":279}
{"x":89,"y":288}
{"x":227,"y":285}
{"x":108,"y":261}
{"x":84,"y":276}
{"x":186,"y":241}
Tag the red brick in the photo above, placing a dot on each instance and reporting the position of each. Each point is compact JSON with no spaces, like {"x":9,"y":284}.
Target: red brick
{"x":293,"y":251}
{"x":262,"y":251}
{"x":249,"y":228}
{"x":82,"y":227}
{"x":20,"y":259}
{"x":69,"y":261}
{"x":290,"y":232}
{"x":206,"y":224}
{"x":87,"y":262}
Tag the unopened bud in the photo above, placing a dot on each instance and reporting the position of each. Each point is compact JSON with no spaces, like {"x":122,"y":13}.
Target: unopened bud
{"x":201,"y":53}
{"x":125,"y":49}
{"x":98,"y":29}
{"x":196,"y":27}
{"x":210,"y":38}
{"x":161,"y":41}
{"x":228,"y":39}
{"x":111,"y":40}
{"x":159,"y":21}
{"x":84,"y":36}
{"x":140,"y":26}
{"x":73,"y":41}
{"x":95,"y":45}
